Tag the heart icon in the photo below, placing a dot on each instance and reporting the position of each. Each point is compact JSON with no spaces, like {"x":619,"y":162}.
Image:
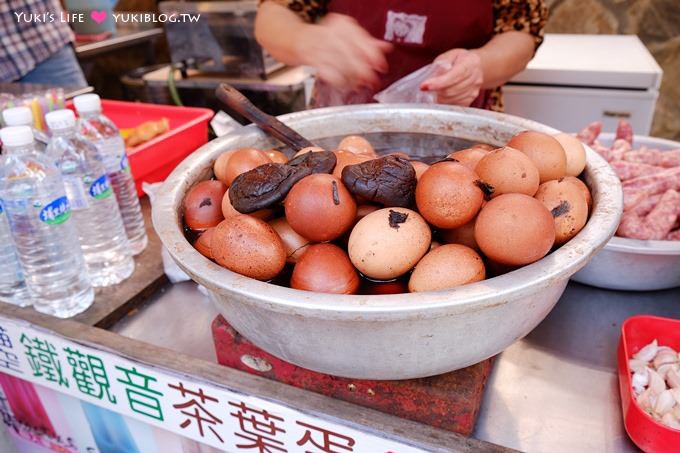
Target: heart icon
{"x":98,"y":16}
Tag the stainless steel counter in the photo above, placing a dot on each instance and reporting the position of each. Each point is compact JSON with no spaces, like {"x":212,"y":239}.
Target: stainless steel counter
{"x":554,"y":391}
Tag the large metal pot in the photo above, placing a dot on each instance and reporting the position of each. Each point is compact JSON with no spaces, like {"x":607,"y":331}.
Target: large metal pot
{"x":391,"y":336}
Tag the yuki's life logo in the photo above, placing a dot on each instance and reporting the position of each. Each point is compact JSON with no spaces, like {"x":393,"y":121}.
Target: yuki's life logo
{"x":56,"y":212}
{"x":101,"y":188}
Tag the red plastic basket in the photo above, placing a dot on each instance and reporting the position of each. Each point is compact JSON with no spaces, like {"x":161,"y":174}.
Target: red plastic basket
{"x":636,"y":332}
{"x":154,"y":160}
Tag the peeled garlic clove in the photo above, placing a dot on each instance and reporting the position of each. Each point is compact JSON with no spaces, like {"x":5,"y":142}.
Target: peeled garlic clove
{"x":663,"y":369}
{"x":664,"y":403}
{"x":656,"y":382}
{"x":648,"y":352}
{"x":673,"y":379}
{"x":665,"y":356}
{"x":676,"y":394}
{"x":671,"y":421}
{"x":676,"y":411}
{"x":637,"y":365}
{"x":644,"y":401}
{"x":640,"y":380}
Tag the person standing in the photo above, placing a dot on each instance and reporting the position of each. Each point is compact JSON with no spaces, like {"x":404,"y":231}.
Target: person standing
{"x":360,"y":47}
{"x":36,"y":45}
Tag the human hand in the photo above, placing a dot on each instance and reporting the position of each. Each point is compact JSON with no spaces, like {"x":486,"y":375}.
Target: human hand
{"x":461,"y":84}
{"x":344,"y":54}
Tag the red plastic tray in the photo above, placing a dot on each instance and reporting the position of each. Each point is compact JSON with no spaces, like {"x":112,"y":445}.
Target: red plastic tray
{"x":154,"y":160}
{"x":636,"y":332}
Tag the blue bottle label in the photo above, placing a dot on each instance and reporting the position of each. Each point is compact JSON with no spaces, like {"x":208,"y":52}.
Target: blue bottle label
{"x":101,"y":188}
{"x":56,"y":212}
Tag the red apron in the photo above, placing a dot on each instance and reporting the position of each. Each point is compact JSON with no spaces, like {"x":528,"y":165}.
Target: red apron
{"x":420,"y":30}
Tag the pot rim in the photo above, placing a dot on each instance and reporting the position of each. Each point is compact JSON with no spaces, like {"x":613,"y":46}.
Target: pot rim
{"x":557,"y":266}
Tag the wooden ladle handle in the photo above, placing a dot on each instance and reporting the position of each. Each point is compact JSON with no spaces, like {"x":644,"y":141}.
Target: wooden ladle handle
{"x":234,"y":99}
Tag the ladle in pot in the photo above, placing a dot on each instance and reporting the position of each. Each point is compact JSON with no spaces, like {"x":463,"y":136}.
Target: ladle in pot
{"x":235,"y":100}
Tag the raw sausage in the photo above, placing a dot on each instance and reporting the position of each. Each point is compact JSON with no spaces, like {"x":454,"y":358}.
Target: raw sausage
{"x":590,"y":133}
{"x":629,"y":170}
{"x":666,"y":159}
{"x":624,"y":131}
{"x":657,"y":224}
{"x":657,"y":182}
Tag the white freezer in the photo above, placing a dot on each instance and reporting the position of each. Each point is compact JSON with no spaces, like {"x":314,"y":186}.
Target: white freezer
{"x":576,"y":79}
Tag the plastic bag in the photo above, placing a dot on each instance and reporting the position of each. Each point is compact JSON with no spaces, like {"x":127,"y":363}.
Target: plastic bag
{"x":407,"y":89}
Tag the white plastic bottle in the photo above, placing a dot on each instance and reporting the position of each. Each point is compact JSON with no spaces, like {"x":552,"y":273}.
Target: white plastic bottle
{"x":98,"y":129}
{"x":13,"y":289}
{"x":45,"y":237}
{"x":95,"y":211}
{"x":22,"y":116}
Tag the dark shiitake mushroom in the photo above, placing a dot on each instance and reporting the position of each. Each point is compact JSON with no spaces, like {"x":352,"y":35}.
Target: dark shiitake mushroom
{"x":390,"y":181}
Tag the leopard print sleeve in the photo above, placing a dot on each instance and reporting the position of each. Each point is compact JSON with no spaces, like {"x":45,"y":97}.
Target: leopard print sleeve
{"x":309,"y":10}
{"x":528,"y":16}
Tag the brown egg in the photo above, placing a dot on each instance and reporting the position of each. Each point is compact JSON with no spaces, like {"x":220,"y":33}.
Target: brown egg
{"x":544,"y":151}
{"x":345,"y":158}
{"x":568,"y":206}
{"x":448,"y":196}
{"x":276,"y":156}
{"x":393,"y":287}
{"x":515,"y":229}
{"x":575,"y":152}
{"x":244,"y":160}
{"x":464,"y":235}
{"x":469,"y":157}
{"x":582,"y":187}
{"x":387,"y":243}
{"x":508,"y":170}
{"x":320,"y":208}
{"x":202,"y":205}
{"x":294,"y":244}
{"x":364,"y":209}
{"x":220,"y":166}
{"x":434,"y":245}
{"x":446,"y":267}
{"x":248,"y":246}
{"x":357,"y":145}
{"x":325,"y":268}
{"x":228,"y":210}
{"x":202,"y":244}
{"x":309,"y":149}
{"x":419,"y":167}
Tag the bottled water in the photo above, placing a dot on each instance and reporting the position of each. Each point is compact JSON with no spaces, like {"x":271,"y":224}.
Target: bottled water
{"x":93,"y":205}
{"x":22,"y":116}
{"x":45,"y":237}
{"x":13,"y":288}
{"x":98,"y":129}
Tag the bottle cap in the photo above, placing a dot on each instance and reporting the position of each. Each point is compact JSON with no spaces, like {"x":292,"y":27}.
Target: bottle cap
{"x":18,"y":116}
{"x":60,"y":119}
{"x":16,"y":136}
{"x":87,"y":103}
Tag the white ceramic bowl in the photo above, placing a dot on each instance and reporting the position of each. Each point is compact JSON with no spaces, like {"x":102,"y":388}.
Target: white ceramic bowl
{"x":632,"y":264}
